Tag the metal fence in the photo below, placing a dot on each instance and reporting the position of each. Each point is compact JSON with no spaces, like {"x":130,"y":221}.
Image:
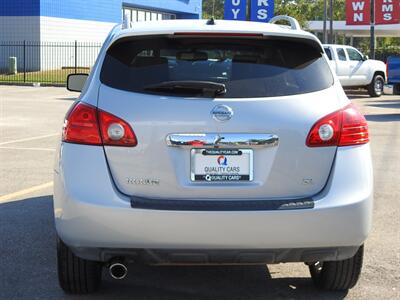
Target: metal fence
{"x":52,"y":62}
{"x":45,"y":62}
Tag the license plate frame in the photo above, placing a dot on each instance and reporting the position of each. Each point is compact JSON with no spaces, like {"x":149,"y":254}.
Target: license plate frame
{"x":223,"y":177}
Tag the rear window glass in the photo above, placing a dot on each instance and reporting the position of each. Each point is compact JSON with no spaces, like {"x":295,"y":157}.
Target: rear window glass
{"x":247,"y":67}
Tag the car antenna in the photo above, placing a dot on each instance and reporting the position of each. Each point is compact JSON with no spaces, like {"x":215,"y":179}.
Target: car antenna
{"x":211,"y":21}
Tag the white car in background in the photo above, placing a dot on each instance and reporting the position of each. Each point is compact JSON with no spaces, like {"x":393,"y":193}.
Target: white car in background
{"x":356,"y":70}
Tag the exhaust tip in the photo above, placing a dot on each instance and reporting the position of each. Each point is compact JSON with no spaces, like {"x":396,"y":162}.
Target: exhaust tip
{"x":118,"y":271}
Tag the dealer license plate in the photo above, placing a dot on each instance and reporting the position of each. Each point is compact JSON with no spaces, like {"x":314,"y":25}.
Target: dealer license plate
{"x":221,"y":165}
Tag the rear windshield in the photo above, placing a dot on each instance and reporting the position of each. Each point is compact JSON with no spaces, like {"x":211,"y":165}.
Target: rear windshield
{"x":247,"y":68}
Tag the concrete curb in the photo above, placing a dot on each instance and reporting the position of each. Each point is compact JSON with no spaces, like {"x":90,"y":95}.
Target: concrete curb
{"x":33,"y":84}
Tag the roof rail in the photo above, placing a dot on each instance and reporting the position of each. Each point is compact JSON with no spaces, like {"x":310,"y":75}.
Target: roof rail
{"x":294,"y":24}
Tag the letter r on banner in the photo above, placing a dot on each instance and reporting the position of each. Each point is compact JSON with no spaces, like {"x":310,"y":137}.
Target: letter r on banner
{"x":262,"y":10}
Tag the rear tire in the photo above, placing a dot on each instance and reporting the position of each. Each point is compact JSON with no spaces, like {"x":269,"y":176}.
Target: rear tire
{"x":396,"y":89}
{"x":375,"y":88}
{"x":76,"y":275}
{"x":338,"y":275}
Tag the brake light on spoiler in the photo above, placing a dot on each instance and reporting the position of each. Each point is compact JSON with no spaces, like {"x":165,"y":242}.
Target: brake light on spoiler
{"x":219,"y":34}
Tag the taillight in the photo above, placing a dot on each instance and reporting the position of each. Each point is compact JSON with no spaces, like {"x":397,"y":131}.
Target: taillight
{"x":387,"y":70}
{"x":354,"y":127}
{"x":85,"y":124}
{"x":81,"y":126}
{"x":344,"y":127}
{"x":115,"y":131}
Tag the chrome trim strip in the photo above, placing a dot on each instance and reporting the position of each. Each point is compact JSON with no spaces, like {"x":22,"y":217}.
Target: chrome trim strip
{"x":210,"y":140}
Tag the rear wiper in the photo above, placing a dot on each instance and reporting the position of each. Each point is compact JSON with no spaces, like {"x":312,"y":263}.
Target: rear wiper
{"x":205,"y":88}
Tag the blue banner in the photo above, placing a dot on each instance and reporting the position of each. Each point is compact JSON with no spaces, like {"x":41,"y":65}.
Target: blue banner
{"x":235,"y":10}
{"x":262,"y":10}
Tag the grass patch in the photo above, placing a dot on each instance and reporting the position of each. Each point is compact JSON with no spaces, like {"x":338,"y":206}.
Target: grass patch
{"x":49,"y":76}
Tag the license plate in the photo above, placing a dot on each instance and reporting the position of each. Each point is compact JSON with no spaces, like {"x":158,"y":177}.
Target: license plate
{"x":221,"y":165}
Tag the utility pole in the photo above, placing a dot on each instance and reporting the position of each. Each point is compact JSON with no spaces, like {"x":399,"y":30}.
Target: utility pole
{"x":331,"y":22}
{"x":372,"y":41}
{"x":324,"y":38}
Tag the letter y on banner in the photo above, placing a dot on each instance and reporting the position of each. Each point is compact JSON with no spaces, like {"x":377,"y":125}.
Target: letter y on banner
{"x":235,"y":10}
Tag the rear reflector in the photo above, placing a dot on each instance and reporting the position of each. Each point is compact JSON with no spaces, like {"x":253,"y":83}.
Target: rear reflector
{"x":345,"y":127}
{"x":85,"y":124}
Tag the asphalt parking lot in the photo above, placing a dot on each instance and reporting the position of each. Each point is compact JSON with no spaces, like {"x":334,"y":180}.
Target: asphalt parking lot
{"x":30,"y":125}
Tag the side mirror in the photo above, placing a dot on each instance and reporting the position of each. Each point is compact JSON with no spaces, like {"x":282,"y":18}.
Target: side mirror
{"x":76,"y":82}
{"x":365,"y":57}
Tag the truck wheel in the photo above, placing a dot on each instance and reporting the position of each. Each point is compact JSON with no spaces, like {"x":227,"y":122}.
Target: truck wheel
{"x":338,"y":275}
{"x":76,"y":275}
{"x":375,"y":88}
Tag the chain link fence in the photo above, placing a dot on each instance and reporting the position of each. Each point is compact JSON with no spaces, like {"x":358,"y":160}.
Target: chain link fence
{"x":45,"y":62}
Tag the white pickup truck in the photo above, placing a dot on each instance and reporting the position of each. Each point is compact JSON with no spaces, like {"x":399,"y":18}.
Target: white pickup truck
{"x":355,"y":69}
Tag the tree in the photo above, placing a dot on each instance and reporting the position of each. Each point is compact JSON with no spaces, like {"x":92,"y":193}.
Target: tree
{"x":208,"y":9}
{"x":304,"y":11}
{"x":309,"y":10}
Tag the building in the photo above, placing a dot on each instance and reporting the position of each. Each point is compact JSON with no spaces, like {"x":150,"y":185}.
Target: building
{"x":351,"y":31}
{"x":83,"y":20}
{"x":35,"y":22}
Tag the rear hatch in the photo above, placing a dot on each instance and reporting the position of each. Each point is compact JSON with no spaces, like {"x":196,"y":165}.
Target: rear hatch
{"x":218,"y":117}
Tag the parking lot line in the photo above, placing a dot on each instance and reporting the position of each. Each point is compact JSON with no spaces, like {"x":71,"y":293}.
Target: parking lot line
{"x":29,"y":139}
{"x":31,"y":149}
{"x":12,"y":196}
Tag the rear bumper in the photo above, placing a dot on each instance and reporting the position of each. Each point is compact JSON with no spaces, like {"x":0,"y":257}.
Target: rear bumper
{"x":217,"y":257}
{"x":388,"y":89}
{"x":391,"y":89}
{"x":93,"y":217}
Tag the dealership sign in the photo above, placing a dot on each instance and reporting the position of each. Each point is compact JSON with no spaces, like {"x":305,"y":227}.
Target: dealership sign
{"x":387,"y":11}
{"x":358,"y":12}
{"x":260,"y":10}
{"x":235,"y":10}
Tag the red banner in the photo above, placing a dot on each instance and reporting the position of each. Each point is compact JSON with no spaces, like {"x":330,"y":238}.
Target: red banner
{"x":387,"y":11}
{"x":358,"y":12}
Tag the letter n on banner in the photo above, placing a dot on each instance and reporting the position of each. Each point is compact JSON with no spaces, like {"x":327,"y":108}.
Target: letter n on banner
{"x":358,"y":12}
{"x":387,"y":11}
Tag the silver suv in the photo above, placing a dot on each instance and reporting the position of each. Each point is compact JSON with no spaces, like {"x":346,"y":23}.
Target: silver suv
{"x":198,"y":142}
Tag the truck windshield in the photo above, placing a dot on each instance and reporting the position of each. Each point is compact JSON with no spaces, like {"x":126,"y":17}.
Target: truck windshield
{"x":244,"y":67}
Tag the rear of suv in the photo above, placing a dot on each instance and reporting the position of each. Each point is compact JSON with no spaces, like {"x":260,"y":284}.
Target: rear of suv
{"x":229,"y":143}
